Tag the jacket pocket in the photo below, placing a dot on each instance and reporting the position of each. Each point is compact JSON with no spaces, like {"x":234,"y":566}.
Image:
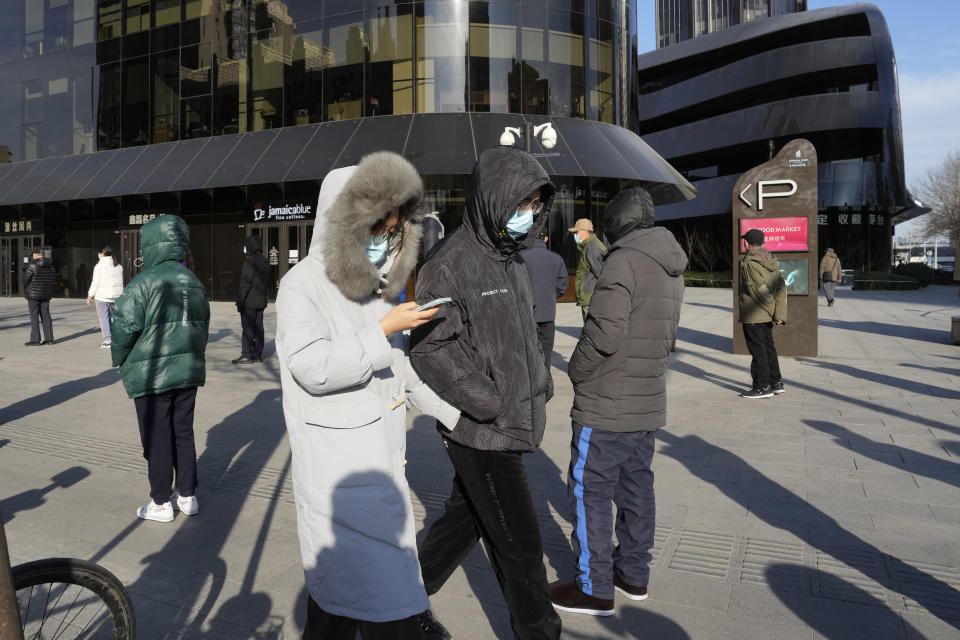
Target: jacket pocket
{"x":342,"y":411}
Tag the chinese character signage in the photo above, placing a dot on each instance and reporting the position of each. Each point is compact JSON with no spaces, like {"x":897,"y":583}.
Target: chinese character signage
{"x":279,"y":213}
{"x":780,"y":234}
{"x":20,"y":226}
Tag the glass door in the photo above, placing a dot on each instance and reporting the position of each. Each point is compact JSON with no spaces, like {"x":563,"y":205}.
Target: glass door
{"x":130,"y":257}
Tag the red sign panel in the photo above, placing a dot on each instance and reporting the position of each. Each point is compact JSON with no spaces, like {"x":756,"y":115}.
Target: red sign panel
{"x":780,"y":234}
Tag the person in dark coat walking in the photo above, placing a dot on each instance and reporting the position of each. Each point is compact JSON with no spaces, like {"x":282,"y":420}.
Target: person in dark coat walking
{"x":481,"y":355}
{"x":39,"y":280}
{"x":548,"y":281}
{"x":619,"y":375}
{"x":252,"y":300}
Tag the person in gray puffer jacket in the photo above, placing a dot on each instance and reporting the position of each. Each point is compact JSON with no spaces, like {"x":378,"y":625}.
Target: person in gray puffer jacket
{"x":480,"y":353}
{"x":618,"y":370}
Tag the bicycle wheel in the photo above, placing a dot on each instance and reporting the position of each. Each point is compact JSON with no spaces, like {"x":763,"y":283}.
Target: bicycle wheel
{"x":70,"y":599}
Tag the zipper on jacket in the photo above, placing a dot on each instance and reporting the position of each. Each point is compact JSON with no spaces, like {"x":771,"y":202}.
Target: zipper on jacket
{"x":525,"y":347}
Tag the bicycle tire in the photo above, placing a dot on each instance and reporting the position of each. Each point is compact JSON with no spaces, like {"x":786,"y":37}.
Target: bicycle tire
{"x":58,"y":575}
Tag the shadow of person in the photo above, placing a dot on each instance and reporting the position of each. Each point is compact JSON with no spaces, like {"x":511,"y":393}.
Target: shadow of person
{"x":828,"y":536}
{"x":33,"y":498}
{"x":78,"y":334}
{"x":367,"y":564}
{"x":915,"y":462}
{"x":190,"y":571}
{"x":58,"y":394}
{"x":901,"y":384}
{"x":852,"y":612}
{"x":701,"y":374}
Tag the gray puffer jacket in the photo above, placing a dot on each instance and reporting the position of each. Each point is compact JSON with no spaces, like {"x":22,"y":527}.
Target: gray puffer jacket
{"x":619,"y":367}
{"x":480,"y":353}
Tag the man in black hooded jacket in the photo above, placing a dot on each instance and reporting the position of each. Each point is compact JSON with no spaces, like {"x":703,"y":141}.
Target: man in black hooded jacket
{"x":619,"y":372}
{"x":39,"y":281}
{"x":481,"y":354}
{"x":252,"y":300}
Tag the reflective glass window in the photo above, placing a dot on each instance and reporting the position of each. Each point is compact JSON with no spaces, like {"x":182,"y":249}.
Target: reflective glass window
{"x":534,"y":87}
{"x":10,"y":113}
{"x":137,"y":15}
{"x":389,"y":81}
{"x":494,"y":69}
{"x":33,"y":29}
{"x":108,"y":107}
{"x":297,"y":11}
{"x":195,"y":117}
{"x":84,"y":22}
{"x":196,"y":8}
{"x":230,"y":95}
{"x":109,"y":19}
{"x":346,"y":42}
{"x":566,"y":72}
{"x":268,"y":54}
{"x":601,"y":70}
{"x":11,"y":34}
{"x":57,"y":26}
{"x":195,"y":64}
{"x":165,"y":69}
{"x":441,"y":55}
{"x":166,"y":12}
{"x":303,"y":79}
{"x":135,"y":115}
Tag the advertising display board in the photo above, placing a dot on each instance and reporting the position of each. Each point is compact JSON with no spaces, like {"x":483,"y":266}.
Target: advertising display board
{"x":779,"y":198}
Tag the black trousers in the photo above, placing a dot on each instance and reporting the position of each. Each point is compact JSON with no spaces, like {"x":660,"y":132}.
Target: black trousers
{"x":326,"y":626}
{"x":166,"y":433}
{"x":251,"y":321}
{"x":546,"y":332}
{"x":491,"y":500}
{"x":40,"y":311}
{"x":765,"y":367}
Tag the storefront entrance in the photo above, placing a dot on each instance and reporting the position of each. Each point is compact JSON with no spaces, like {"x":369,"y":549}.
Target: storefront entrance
{"x":15,"y":254}
{"x":284,"y":245}
{"x":130,"y":258}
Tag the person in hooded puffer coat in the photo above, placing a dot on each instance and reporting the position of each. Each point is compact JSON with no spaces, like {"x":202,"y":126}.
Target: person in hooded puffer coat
{"x":482,"y":355}
{"x":252,"y":297}
{"x":345,"y":378}
{"x":619,"y":375}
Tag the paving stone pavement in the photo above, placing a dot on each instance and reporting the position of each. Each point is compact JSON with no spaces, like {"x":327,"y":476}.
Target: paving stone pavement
{"x":831,"y":511}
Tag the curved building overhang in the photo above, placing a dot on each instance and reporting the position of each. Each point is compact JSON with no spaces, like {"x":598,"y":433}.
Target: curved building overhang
{"x":434,"y":143}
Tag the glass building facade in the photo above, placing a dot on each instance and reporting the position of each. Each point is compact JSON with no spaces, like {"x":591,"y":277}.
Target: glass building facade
{"x":226,"y":111}
{"x":679,"y":20}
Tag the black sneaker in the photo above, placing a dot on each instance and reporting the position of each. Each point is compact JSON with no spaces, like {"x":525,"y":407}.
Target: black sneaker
{"x":568,"y":597}
{"x":778,"y":388}
{"x":432,"y":629}
{"x":32,"y":343}
{"x":829,"y":303}
{"x":47,"y":342}
{"x":753,"y":394}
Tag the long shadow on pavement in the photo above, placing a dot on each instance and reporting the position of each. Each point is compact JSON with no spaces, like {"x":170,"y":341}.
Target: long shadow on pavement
{"x":914,"y":462}
{"x":78,"y":334}
{"x":34,"y":498}
{"x":880,"y":378}
{"x":828,"y":537}
{"x":889,"y":330}
{"x":860,"y":614}
{"x":58,"y":394}
{"x":947,"y":371}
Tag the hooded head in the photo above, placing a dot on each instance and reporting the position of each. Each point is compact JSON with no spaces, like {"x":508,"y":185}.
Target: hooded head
{"x":163,"y":239}
{"x":630,"y":209}
{"x":502,"y":178}
{"x":252,"y":245}
{"x":352,"y":201}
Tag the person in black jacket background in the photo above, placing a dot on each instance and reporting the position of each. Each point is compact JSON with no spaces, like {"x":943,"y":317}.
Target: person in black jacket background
{"x":480,"y":353}
{"x":39,"y":280}
{"x":619,"y":376}
{"x":548,"y":280}
{"x":252,"y":300}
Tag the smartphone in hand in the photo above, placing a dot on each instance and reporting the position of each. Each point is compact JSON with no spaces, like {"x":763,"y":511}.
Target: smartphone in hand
{"x":433,"y":303}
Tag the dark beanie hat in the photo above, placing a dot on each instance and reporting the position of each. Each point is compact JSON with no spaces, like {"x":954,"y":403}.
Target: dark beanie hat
{"x":754,"y":237}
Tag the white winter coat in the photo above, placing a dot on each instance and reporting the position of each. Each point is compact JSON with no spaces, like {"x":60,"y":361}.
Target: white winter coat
{"x":344,"y":385}
{"x":107,"y":282}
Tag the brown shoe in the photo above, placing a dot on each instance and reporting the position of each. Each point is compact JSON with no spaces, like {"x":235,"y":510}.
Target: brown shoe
{"x":569,"y":597}
{"x":629,"y":590}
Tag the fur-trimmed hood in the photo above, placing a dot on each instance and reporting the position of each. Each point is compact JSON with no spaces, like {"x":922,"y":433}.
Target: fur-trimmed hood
{"x":353,"y":199}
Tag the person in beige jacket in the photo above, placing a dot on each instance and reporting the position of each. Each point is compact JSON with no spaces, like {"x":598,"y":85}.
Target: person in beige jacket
{"x":830,"y":274}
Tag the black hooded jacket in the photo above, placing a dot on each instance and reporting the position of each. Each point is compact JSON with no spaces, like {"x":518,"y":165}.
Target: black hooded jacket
{"x":480,"y":352}
{"x":619,"y":367}
{"x":39,"y":280}
{"x":255,"y":278}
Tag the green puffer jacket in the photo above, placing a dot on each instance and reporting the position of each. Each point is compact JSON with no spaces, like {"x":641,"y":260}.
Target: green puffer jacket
{"x":588,"y":269}
{"x":161,"y":321}
{"x":763,"y":293}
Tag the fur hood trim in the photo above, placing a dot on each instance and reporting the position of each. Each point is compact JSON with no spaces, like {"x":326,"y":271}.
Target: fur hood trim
{"x":381,"y":181}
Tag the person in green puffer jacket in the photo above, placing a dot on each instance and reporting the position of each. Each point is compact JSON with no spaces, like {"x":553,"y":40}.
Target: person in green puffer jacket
{"x":763,"y":303}
{"x":160,"y":328}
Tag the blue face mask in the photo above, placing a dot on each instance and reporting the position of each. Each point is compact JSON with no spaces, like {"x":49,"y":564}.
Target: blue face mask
{"x":576,"y":238}
{"x":520,"y":223}
{"x":377,"y":251}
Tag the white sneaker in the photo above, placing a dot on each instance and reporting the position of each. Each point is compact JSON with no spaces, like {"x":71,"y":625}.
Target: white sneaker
{"x":159,"y":512}
{"x":104,"y":345}
{"x":188,"y":505}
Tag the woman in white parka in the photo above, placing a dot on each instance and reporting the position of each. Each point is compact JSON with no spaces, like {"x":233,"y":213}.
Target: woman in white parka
{"x":105,"y":287}
{"x":345,"y":379}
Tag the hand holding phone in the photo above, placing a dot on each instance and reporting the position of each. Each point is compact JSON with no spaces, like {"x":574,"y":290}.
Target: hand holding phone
{"x":433,"y":303}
